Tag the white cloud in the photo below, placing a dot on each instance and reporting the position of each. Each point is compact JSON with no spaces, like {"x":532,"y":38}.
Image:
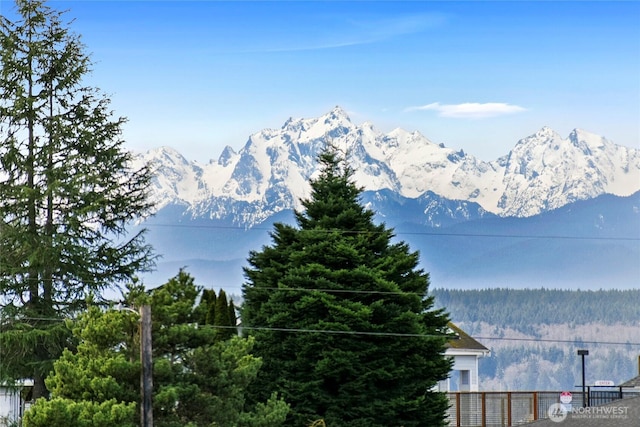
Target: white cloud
{"x":470,"y":110}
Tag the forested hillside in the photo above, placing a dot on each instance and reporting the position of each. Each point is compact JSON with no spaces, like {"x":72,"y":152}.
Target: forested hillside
{"x":534,"y":334}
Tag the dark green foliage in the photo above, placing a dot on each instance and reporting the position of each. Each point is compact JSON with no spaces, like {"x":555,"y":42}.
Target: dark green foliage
{"x":200,"y":376}
{"x":105,"y":365}
{"x":60,"y":412}
{"x":379,"y":345}
{"x":216,"y":311}
{"x":67,"y":191}
{"x":207,"y":307}
{"x":174,"y":316}
{"x":222,"y":310}
{"x":98,"y":384}
{"x":199,"y":380}
{"x":223,"y":317}
{"x":219,"y":376}
{"x":233,"y":319}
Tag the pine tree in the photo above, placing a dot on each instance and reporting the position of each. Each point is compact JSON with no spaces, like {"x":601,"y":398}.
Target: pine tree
{"x":67,"y":191}
{"x":222,"y":309}
{"x":222,"y":319}
{"x":207,"y":307}
{"x":342,"y":316}
{"x":97,"y":384}
{"x":197,"y":382}
{"x":215,"y":311}
{"x":200,"y":379}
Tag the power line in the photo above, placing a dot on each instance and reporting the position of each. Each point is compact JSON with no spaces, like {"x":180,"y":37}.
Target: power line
{"x":337,"y":291}
{"x":395,"y":232}
{"x":329,"y":331}
{"x":392,"y":334}
{"x":557,"y":341}
{"x":250,"y":287}
{"x":45,"y":319}
{"x":384,"y":334}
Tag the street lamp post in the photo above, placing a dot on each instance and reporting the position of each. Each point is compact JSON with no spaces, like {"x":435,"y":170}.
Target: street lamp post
{"x":583,"y":353}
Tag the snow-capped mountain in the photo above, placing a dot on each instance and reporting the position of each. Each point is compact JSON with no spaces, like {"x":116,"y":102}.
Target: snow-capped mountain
{"x":554,"y":212}
{"x":270,"y":173}
{"x":545,"y":171}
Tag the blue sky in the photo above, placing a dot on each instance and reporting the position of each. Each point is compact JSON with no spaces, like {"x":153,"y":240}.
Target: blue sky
{"x":199,"y":75}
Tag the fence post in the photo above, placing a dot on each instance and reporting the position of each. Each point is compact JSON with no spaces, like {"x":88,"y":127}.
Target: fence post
{"x":509,"y":408}
{"x":458,"y":415}
{"x":484,"y":409}
{"x":535,"y":405}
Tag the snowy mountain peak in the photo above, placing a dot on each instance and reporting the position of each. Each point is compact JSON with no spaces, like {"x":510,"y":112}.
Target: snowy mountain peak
{"x":338,"y":111}
{"x":227,"y":154}
{"x":545,"y":171}
{"x":166,"y":154}
{"x":331,"y":125}
{"x":544,"y":134}
{"x":271,"y":172}
{"x":588,"y":140}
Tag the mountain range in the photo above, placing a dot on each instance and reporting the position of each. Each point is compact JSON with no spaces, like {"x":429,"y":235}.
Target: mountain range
{"x":553,"y":212}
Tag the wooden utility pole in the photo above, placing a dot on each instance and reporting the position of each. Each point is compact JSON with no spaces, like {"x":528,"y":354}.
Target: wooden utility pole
{"x":146,"y":374}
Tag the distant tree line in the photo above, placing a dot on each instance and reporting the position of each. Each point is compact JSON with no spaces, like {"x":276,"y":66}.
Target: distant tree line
{"x":542,"y":365}
{"x":520,"y":309}
{"x":527,"y":366}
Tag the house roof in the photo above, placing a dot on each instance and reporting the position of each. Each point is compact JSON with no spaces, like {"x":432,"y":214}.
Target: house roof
{"x":463,"y":340}
{"x":619,"y":413}
{"x":633,"y":382}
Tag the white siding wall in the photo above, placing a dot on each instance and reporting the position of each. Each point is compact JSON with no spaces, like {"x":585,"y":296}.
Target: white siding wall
{"x":467,"y":377}
{"x":9,"y":406}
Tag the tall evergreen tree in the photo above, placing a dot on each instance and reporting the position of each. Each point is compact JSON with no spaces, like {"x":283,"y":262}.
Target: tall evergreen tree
{"x":342,"y":316}
{"x":67,"y":191}
{"x":222,"y":309}
{"x":207,"y":307}
{"x":216,"y":311}
{"x":222,"y":318}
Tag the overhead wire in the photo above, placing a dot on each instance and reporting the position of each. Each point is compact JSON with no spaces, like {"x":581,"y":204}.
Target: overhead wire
{"x":388,"y":334}
{"x":395,"y":232}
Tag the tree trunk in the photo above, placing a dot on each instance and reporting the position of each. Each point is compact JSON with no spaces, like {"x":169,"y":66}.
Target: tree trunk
{"x":39,"y":388}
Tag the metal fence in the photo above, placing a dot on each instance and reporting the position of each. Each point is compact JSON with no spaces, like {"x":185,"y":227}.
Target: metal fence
{"x":513,"y":408}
